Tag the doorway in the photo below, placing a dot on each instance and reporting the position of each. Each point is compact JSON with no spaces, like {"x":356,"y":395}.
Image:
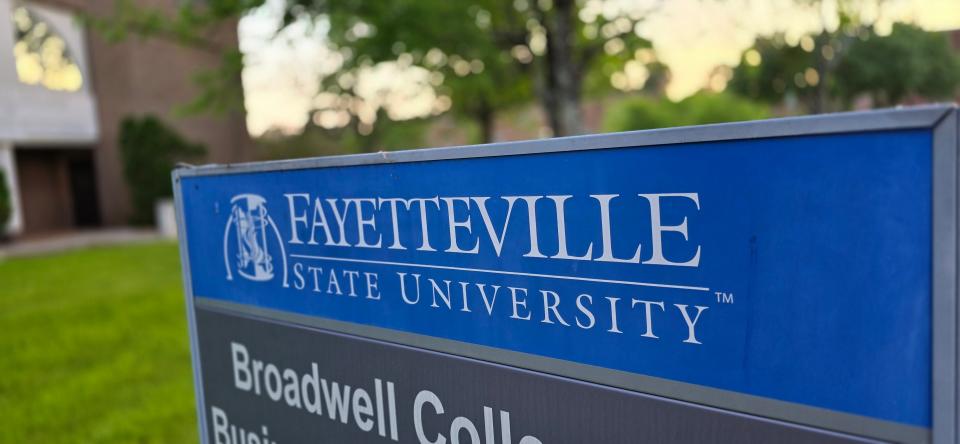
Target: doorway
{"x":57,"y":189}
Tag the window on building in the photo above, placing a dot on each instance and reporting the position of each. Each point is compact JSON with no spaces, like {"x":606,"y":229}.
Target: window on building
{"x":41,"y":54}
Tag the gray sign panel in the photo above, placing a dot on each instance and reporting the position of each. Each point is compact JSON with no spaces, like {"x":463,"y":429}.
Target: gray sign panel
{"x":285,"y":384}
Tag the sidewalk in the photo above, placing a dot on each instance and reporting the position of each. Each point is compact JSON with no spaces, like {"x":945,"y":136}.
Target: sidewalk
{"x":71,"y":241}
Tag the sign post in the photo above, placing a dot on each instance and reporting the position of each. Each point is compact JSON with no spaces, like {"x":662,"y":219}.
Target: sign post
{"x":791,"y":280}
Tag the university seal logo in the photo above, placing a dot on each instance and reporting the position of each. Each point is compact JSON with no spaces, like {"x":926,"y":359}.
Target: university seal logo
{"x":251,"y":240}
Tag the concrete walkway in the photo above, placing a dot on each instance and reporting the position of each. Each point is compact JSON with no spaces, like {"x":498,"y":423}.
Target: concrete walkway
{"x":76,"y":240}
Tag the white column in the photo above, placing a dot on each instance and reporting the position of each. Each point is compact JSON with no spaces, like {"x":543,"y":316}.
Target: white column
{"x":8,"y":84}
{"x":8,"y":69}
{"x":9,"y":166}
{"x":8,"y":75}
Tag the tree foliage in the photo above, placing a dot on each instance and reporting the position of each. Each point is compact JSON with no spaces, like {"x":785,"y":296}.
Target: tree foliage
{"x":773,"y":71}
{"x":909,"y":61}
{"x":491,"y":53}
{"x":192,"y":26}
{"x":483,"y":55}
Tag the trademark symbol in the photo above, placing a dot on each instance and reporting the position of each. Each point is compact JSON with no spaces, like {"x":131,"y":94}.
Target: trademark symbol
{"x":723,"y":297}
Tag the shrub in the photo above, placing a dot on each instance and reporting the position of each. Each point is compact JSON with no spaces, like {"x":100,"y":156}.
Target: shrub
{"x":646,"y":113}
{"x":150,"y":150}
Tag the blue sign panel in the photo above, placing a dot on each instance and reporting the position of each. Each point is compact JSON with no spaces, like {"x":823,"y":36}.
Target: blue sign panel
{"x":794,"y":269}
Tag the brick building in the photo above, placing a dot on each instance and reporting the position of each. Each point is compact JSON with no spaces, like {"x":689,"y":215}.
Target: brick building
{"x":63,"y":93}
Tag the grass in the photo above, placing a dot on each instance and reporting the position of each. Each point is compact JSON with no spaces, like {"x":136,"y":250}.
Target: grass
{"x":94,"y":348}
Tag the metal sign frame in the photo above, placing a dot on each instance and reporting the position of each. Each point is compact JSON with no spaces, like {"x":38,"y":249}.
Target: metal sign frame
{"x":942,"y":120}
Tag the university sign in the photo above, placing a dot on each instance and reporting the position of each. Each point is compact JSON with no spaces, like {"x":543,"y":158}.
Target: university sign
{"x":791,"y":280}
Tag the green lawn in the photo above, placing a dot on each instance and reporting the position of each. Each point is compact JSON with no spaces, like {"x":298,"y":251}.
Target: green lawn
{"x":93,"y":348}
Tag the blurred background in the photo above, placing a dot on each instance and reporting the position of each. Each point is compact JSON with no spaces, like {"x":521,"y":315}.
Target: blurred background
{"x":100,"y":99}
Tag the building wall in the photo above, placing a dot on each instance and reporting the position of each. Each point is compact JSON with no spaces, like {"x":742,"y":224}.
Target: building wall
{"x":139,"y":76}
{"x":35,"y":116}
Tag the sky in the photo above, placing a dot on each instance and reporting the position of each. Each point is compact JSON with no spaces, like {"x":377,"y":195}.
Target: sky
{"x":692,"y":37}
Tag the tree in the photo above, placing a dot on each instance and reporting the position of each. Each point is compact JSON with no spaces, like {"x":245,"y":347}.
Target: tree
{"x":463,"y":65}
{"x":826,"y":71}
{"x":489,"y":54}
{"x":909,"y":61}
{"x":773,"y":71}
